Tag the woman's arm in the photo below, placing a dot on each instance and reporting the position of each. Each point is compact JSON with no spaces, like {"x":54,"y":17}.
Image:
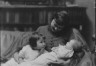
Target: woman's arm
{"x":61,"y":61}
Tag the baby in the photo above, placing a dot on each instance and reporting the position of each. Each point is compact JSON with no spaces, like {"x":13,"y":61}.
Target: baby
{"x":66,"y":51}
{"x":57,"y":53}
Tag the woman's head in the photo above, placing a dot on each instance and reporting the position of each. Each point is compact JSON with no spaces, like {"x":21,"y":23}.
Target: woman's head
{"x":37,"y":41}
{"x":60,"y":20}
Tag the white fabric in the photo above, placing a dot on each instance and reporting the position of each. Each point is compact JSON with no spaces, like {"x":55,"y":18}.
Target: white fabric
{"x":26,"y":52}
{"x":60,"y":52}
{"x":46,"y":58}
{"x":63,"y":51}
{"x":11,"y":62}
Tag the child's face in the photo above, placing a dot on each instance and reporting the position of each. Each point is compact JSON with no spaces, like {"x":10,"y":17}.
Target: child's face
{"x":40,"y":43}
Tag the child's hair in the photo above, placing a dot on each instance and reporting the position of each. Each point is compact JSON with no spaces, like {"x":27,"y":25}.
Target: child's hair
{"x":34,"y":38}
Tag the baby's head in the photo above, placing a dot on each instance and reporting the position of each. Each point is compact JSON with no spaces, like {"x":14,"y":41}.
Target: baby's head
{"x":75,"y":44}
{"x":37,"y":41}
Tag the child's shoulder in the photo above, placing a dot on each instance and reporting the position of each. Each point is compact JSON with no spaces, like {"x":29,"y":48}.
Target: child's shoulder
{"x":26,"y":47}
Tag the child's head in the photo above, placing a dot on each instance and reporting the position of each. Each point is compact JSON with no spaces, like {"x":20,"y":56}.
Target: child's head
{"x":37,"y":41}
{"x":75,"y":44}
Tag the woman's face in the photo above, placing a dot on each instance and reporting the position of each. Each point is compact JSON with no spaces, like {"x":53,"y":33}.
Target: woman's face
{"x":40,"y":43}
{"x":55,"y":27}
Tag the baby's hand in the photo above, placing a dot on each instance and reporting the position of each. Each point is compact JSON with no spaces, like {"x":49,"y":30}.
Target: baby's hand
{"x":20,"y":60}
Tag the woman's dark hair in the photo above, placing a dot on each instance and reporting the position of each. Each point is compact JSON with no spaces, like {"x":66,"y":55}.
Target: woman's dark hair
{"x":62,"y":18}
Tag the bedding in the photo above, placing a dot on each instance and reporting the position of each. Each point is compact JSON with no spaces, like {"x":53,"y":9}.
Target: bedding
{"x":26,"y":54}
{"x":10,"y":41}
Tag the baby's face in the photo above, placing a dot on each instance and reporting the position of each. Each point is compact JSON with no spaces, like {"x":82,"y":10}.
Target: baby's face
{"x":72,"y":43}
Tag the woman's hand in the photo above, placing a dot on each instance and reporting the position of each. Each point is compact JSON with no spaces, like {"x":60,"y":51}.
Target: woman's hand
{"x":65,"y":62}
{"x":61,"y":61}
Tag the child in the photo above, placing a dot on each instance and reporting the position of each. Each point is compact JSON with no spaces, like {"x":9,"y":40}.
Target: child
{"x":28,"y":52}
{"x":57,"y":54}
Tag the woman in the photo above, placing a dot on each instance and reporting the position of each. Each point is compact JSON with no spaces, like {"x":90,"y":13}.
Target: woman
{"x":59,"y":32}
